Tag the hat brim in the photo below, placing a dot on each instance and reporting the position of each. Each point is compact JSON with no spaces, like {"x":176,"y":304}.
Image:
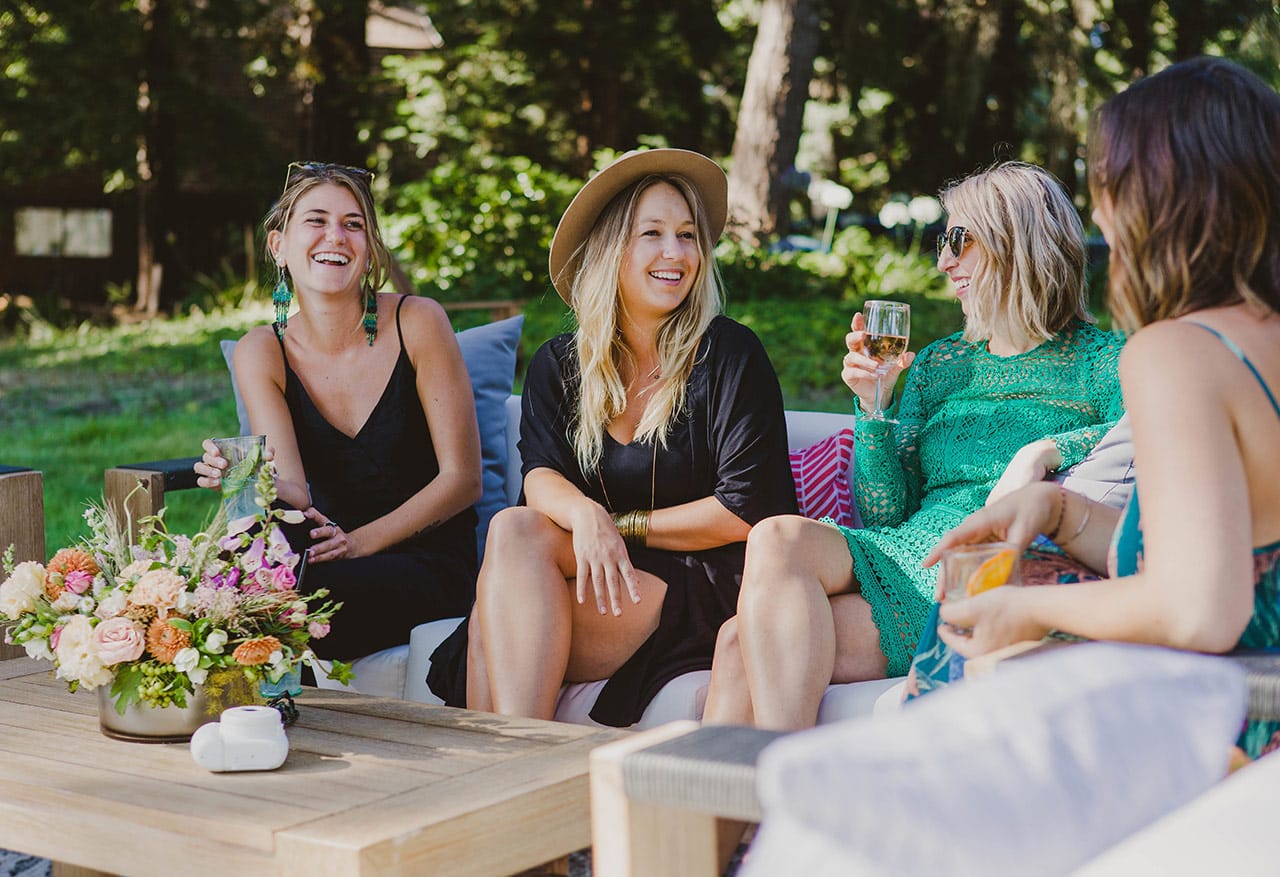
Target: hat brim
{"x":578,"y":220}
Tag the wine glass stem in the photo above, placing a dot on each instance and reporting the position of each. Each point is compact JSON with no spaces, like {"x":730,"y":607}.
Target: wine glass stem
{"x":879,"y":409}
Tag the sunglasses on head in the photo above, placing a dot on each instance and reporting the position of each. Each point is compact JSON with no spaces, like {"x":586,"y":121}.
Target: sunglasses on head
{"x":318,"y":167}
{"x":955,"y":237}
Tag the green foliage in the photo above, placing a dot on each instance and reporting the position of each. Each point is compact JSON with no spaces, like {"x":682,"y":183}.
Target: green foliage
{"x":479,"y":228}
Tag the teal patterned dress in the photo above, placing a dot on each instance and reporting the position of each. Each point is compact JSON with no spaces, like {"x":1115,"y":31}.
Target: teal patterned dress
{"x":964,"y":414}
{"x":1263,"y":630}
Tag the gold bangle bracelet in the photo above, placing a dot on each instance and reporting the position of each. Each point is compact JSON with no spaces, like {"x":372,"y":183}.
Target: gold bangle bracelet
{"x":633,"y":526}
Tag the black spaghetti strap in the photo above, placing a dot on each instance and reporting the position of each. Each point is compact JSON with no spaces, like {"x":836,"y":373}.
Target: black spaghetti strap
{"x":1235,"y":348}
{"x":400,"y":334}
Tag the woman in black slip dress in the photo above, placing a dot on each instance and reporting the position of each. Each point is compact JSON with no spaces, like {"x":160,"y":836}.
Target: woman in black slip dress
{"x":371,"y":420}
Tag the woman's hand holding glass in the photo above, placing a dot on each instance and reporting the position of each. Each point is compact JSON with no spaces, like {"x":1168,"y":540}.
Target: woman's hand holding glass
{"x":864,"y":373}
{"x":212,"y":465}
{"x":997,"y":617}
{"x":604,"y":567}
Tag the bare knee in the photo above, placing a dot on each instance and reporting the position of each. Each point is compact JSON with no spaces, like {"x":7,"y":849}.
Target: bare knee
{"x":728,"y":647}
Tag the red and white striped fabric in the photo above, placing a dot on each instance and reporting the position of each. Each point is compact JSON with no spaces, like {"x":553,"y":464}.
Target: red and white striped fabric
{"x":821,"y":474}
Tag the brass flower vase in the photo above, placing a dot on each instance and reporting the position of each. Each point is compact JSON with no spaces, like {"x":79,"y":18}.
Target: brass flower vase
{"x":144,"y":723}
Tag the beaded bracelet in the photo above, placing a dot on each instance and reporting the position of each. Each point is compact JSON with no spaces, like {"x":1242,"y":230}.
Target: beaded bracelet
{"x":633,"y":527}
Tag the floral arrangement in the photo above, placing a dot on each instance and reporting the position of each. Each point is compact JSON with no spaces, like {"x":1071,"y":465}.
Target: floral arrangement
{"x":155,"y":616}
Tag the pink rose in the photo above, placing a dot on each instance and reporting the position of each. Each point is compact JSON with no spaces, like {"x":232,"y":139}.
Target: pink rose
{"x":318,"y":629}
{"x":118,"y":640}
{"x":264,"y":579}
{"x":283,"y":579}
{"x":77,"y":581}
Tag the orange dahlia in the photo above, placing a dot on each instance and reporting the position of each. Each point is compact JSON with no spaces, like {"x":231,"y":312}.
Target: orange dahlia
{"x":164,"y":641}
{"x":256,"y":651}
{"x":67,"y":560}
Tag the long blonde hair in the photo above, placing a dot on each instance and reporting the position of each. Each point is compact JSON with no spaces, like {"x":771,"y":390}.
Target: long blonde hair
{"x":1030,"y":280}
{"x":601,"y":348}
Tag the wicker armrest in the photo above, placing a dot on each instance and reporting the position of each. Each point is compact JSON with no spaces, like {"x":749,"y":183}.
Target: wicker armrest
{"x":137,"y":490}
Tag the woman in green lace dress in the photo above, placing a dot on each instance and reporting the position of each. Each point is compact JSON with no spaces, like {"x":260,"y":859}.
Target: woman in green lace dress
{"x":1028,"y":388}
{"x":1184,"y":169}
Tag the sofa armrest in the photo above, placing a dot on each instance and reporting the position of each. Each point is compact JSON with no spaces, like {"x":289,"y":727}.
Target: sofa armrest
{"x":21,"y":524}
{"x":136,"y":490}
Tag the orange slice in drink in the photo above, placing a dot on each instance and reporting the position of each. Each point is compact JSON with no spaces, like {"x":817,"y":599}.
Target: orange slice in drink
{"x":993,"y":573}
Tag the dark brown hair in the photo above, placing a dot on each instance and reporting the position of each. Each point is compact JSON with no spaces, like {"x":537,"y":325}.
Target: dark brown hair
{"x":1188,"y":163}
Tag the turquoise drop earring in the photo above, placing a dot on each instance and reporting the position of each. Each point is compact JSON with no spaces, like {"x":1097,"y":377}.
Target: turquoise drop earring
{"x":370,"y":315}
{"x":281,"y":296}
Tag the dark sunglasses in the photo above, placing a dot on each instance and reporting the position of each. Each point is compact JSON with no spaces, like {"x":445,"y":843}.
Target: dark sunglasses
{"x":317,"y":167}
{"x":955,"y":237}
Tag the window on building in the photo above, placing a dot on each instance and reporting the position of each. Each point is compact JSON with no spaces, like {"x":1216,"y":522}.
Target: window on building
{"x":56,"y":231}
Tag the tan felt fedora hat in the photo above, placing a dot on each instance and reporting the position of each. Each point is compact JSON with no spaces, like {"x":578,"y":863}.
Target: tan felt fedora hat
{"x":595,"y":195}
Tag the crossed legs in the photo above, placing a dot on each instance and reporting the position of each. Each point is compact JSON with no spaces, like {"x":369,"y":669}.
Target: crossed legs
{"x":528,"y":634}
{"x":800,"y":626}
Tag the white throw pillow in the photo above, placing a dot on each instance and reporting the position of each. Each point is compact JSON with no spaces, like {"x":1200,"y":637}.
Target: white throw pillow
{"x":1033,"y":769}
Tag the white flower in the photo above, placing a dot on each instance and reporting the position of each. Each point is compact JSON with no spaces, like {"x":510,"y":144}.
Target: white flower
{"x":186,"y":660}
{"x":21,"y":590}
{"x":78,"y":656}
{"x":292,"y":516}
{"x":275,"y":658}
{"x":68,"y":602}
{"x":185,"y":600}
{"x":215,"y":642}
{"x":924,"y":209}
{"x":38,"y":648}
{"x":198,"y":675}
{"x":894,"y":213}
{"x":112,"y":605}
{"x":85,"y":605}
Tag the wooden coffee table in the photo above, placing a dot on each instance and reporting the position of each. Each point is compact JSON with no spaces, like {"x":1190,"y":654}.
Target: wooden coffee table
{"x":371,"y":786}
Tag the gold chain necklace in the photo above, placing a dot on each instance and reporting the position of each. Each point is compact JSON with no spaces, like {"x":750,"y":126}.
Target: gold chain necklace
{"x":653,"y":481}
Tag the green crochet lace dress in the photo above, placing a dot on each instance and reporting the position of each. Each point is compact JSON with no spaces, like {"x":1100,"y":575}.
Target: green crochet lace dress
{"x":964,"y":414}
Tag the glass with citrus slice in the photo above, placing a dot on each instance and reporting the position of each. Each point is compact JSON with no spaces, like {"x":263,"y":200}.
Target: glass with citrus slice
{"x":969,"y":570}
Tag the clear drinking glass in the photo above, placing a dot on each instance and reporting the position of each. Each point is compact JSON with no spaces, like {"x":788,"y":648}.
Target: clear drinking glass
{"x":968,"y":570}
{"x":888,"y":328}
{"x":244,"y":454}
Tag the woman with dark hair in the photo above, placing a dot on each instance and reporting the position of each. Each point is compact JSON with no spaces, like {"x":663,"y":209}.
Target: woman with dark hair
{"x":1184,"y":169}
{"x":1028,"y":388}
{"x":366,"y":402}
{"x":651,"y":439}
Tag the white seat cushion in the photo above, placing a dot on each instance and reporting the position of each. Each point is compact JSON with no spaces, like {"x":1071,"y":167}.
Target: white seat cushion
{"x":1032,"y":770}
{"x":381,"y":674}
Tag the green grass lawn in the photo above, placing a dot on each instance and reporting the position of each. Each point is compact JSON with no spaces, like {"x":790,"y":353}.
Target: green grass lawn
{"x":73,"y":404}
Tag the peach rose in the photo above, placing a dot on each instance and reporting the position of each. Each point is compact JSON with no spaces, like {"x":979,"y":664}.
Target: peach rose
{"x":118,"y":640}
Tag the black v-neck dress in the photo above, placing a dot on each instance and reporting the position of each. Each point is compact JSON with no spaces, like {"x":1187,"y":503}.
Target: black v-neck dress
{"x":355,"y":480}
{"x":731,"y":444}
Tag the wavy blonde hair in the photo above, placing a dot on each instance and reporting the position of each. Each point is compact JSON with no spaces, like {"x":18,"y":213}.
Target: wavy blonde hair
{"x":601,"y":349}
{"x":1030,"y":280}
{"x":1188,"y":161}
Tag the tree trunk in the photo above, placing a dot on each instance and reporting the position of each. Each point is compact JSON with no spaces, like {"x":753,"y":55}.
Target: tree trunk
{"x":771,"y":118}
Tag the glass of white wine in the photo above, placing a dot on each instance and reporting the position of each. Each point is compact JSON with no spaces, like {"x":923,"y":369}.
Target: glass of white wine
{"x":888,"y":328}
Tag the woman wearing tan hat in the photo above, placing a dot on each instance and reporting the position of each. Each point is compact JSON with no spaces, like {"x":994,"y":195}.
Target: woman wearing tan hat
{"x":651,"y":438}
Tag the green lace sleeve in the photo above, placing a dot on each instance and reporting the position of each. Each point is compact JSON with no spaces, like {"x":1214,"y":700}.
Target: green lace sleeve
{"x":886,"y":460}
{"x":1101,"y":373}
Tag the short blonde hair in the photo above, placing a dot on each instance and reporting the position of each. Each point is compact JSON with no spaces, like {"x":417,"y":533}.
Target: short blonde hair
{"x":1030,"y":280}
{"x":601,"y":348}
